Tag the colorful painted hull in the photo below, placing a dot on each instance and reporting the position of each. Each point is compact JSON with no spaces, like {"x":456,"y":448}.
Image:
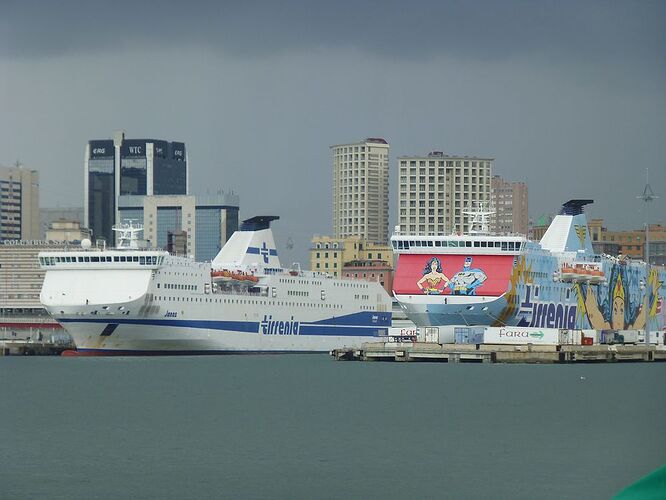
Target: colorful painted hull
{"x":527,"y":295}
{"x":483,"y":279}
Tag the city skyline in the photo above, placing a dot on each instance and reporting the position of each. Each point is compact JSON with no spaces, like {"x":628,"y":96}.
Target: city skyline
{"x":567,"y":98}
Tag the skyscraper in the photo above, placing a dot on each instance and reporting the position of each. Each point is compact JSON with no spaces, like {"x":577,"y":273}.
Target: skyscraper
{"x":361,"y":190}
{"x":436,"y":190}
{"x":129,"y":167}
{"x":509,"y":200}
{"x":19,"y":203}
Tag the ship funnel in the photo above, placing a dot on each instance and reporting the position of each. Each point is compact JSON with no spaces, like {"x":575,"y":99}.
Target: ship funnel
{"x":251,"y":245}
{"x":569,"y":232}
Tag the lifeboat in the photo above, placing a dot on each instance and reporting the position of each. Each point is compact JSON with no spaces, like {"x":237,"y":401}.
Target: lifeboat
{"x":233,"y":277}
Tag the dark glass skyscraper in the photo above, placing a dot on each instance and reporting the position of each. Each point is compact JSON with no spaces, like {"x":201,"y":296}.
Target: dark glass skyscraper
{"x":129,"y":167}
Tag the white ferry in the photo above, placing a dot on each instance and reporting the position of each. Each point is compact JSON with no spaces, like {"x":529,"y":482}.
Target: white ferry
{"x":141,"y":301}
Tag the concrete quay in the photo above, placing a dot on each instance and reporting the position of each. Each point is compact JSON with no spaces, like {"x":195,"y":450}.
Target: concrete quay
{"x":31,"y":347}
{"x":487,"y":353}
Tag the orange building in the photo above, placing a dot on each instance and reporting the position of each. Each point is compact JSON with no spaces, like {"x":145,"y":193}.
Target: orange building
{"x":631,"y":243}
{"x":370,"y":270}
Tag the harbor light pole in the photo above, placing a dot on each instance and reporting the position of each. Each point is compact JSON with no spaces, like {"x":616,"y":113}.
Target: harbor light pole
{"x":647,"y":196}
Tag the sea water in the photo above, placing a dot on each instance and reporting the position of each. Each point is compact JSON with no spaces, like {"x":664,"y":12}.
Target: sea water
{"x":305,"y":426}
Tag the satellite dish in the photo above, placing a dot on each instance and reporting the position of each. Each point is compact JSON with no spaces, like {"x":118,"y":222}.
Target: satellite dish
{"x":86,"y":243}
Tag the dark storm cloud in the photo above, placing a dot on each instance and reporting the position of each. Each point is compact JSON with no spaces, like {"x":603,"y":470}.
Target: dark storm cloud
{"x":591,"y":31}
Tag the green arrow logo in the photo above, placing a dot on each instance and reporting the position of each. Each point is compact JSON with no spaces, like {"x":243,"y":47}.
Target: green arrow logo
{"x":538,"y":334}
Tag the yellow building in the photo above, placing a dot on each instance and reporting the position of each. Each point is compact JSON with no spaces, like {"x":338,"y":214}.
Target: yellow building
{"x":328,"y":254}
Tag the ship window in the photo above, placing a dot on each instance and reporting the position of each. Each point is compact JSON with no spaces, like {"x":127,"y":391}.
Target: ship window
{"x":468,"y":243}
{"x":142,"y":260}
{"x":438,"y":243}
{"x":86,"y":259}
{"x":135,"y":258}
{"x":484,"y":244}
{"x":504,"y":245}
{"x":116,"y":259}
{"x":429,"y":243}
{"x":497,"y":244}
{"x":94,"y":259}
{"x":476,"y":244}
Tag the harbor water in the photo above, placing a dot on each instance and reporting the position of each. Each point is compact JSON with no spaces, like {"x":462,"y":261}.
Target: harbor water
{"x":305,"y":426}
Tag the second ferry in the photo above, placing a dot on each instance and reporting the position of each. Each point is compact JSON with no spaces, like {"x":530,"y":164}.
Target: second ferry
{"x":506,"y":280}
{"x":131,"y":300}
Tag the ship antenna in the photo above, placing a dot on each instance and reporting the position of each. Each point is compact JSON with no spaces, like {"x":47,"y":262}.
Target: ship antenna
{"x":127,"y":234}
{"x":647,"y":196}
{"x":479,"y":218}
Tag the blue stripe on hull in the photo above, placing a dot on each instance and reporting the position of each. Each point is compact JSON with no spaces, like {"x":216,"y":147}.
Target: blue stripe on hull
{"x":310,"y":329}
{"x":119,"y":352}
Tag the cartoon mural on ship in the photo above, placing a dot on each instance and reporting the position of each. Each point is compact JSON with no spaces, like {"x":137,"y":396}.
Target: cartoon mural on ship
{"x":466,"y":282}
{"x":616,"y":309}
{"x":434,"y":281}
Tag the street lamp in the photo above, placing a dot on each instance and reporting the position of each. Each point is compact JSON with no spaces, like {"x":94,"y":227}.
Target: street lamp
{"x":647,"y":196}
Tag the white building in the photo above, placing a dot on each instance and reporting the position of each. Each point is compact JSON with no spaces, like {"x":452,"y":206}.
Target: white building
{"x":435,"y":190}
{"x":361,"y":190}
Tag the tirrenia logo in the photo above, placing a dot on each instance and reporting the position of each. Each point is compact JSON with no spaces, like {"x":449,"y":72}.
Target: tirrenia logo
{"x":269,"y":326}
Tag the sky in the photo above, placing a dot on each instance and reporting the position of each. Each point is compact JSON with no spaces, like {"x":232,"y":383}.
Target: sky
{"x":568,"y":96}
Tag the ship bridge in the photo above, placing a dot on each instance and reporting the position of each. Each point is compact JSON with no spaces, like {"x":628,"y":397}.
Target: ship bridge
{"x":458,"y":244}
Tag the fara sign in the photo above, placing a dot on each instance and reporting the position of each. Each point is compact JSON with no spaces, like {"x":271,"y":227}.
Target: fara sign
{"x":517,"y":335}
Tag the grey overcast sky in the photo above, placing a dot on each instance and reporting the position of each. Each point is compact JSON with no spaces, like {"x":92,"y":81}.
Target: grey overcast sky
{"x":569,"y":96}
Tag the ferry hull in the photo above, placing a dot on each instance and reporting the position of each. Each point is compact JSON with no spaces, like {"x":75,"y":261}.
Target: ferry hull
{"x":474,"y":311}
{"x":144,"y":338}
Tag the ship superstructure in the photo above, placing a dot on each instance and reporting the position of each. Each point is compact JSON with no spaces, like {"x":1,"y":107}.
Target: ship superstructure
{"x":559,"y":282}
{"x":132,"y":301}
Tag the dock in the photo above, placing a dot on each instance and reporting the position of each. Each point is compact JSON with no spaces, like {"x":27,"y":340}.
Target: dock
{"x":487,"y":353}
{"x":34,"y":347}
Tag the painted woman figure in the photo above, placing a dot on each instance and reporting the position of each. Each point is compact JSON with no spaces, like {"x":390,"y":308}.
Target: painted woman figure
{"x":434,"y":280}
{"x":613,"y":314}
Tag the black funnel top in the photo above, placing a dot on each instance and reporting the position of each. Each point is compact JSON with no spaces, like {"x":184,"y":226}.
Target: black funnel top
{"x":574,"y":207}
{"x":258,"y":223}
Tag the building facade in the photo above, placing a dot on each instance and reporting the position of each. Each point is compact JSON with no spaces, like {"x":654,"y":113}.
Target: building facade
{"x":21,"y":281}
{"x":509,"y":201}
{"x":330,"y":255}
{"x":361,"y":190}
{"x":370,"y":270}
{"x":47,"y":216}
{"x":436,"y":190}
{"x":67,"y":230}
{"x":197,"y":226}
{"x":630,"y":243}
{"x":19,"y":203}
{"x":129,"y":167}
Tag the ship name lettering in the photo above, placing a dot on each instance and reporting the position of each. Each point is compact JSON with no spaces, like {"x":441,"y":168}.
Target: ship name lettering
{"x":269,"y":326}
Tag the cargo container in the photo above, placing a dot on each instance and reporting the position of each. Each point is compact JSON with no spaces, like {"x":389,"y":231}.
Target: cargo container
{"x":407,"y":334}
{"x":521,"y":335}
{"x":446,"y":334}
{"x":656,"y":338}
{"x":429,"y":334}
{"x":570,"y":337}
{"x":469,"y":334}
